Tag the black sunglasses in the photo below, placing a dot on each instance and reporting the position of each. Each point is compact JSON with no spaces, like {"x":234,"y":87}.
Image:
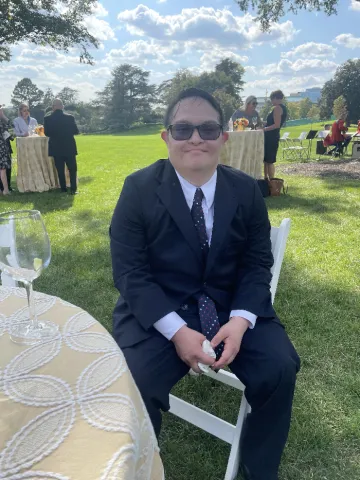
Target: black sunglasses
{"x":254,"y":103}
{"x":184,"y":131}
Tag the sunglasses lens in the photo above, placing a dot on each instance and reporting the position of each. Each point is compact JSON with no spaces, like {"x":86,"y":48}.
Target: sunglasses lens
{"x":209,"y":132}
{"x":181,"y":131}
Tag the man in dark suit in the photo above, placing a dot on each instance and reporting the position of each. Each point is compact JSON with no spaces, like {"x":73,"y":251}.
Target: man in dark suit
{"x":61,"y":127}
{"x":191,"y":254}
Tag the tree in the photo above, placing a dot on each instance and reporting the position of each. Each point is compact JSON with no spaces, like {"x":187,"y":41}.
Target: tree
{"x":48,"y":98}
{"x":314,"y":113}
{"x":235,"y":72}
{"x":266,"y":109}
{"x":293,"y":110}
{"x":26,"y":91}
{"x":57,"y":23}
{"x":170,"y":89}
{"x":346,"y":82}
{"x":69,"y":96}
{"x":304,"y":106}
{"x":340,"y":108}
{"x":127,"y":98}
{"x":269,"y":11}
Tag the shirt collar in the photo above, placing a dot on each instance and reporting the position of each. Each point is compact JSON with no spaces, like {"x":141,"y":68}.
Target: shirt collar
{"x":208,"y":190}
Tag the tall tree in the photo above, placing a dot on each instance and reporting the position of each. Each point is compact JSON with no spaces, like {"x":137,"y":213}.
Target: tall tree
{"x":269,"y":11}
{"x":293,"y":110}
{"x":314,"y":112}
{"x":127,"y":98}
{"x":26,"y":91}
{"x":304,"y":107}
{"x":235,"y":71}
{"x":69,"y":96}
{"x":57,"y":23}
{"x":340,"y":108}
{"x":266,"y":109}
{"x":346,"y":82}
{"x":171,"y":88}
{"x":48,"y":98}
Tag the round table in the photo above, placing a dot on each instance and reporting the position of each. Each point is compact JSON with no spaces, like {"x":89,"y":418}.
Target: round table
{"x":245,"y":151}
{"x":36,"y":171}
{"x":69,"y":408}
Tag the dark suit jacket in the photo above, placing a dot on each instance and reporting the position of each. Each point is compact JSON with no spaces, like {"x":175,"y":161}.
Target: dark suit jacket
{"x":61,"y":128}
{"x":156,"y":255}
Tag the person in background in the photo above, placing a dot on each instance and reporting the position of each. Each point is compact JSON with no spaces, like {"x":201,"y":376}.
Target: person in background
{"x":249,"y":112}
{"x":337,"y":138}
{"x":5,"y":157}
{"x":23,"y":124}
{"x":275,"y":120}
{"x":61,"y":127}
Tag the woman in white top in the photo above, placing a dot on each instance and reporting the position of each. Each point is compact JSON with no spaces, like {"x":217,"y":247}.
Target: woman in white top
{"x":24,"y":123}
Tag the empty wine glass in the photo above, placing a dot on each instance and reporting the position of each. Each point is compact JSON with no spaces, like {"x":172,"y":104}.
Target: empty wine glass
{"x":254,"y":121}
{"x":24,"y":253}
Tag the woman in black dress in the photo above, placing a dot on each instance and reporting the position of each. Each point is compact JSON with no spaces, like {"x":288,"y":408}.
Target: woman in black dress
{"x":5,"y":157}
{"x":275,"y":120}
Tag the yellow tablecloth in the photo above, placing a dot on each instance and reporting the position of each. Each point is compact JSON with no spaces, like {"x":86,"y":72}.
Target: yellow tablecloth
{"x":36,"y":171}
{"x":69,"y":408}
{"x":245,"y":151}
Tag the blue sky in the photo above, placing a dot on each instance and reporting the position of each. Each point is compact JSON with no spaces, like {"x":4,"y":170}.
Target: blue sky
{"x":162,"y":36}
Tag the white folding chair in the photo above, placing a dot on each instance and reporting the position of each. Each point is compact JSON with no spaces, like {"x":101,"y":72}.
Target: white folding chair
{"x":297,"y":152}
{"x":210,"y":423}
{"x":7,"y":240}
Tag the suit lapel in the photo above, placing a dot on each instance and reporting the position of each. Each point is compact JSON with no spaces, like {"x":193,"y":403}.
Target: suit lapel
{"x":225,"y":204}
{"x":172,"y":196}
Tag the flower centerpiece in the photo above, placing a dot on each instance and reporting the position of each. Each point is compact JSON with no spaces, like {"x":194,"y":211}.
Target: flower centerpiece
{"x":39,"y":130}
{"x":241,"y":124}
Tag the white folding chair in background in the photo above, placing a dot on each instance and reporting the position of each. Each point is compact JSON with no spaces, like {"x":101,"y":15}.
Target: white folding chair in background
{"x":284,"y":141}
{"x":210,"y":423}
{"x":7,"y":239}
{"x":297,"y":152}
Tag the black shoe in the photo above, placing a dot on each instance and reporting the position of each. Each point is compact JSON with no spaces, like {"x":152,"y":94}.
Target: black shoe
{"x":63,"y":190}
{"x":74,"y":193}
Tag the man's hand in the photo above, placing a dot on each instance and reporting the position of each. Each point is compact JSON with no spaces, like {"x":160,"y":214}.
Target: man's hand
{"x":231,"y":334}
{"x":188,"y":344}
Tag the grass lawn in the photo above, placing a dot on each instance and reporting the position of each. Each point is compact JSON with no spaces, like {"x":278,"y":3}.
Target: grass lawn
{"x":318,"y":300}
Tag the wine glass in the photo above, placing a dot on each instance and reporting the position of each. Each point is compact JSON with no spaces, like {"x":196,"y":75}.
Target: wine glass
{"x":24,"y":253}
{"x":254,"y":121}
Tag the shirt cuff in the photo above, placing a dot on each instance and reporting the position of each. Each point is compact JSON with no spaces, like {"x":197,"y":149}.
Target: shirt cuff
{"x":169,"y":325}
{"x":245,"y":314}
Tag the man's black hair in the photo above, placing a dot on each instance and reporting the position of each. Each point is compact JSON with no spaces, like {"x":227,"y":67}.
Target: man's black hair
{"x":193,"y":93}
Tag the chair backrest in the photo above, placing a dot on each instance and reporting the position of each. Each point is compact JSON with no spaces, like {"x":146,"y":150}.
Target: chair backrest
{"x":303,"y":135}
{"x":322,"y":134}
{"x":285,"y":136}
{"x":279,"y":237}
{"x":7,"y":240}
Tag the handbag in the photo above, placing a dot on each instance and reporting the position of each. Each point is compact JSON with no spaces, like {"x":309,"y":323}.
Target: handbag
{"x":276,"y":186}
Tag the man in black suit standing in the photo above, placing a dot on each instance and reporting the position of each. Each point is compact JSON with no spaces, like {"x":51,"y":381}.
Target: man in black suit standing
{"x":61,"y":127}
{"x":191,"y":254}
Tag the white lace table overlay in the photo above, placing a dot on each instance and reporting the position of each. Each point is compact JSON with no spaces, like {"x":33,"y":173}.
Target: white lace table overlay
{"x":245,"y":151}
{"x":69,"y":408}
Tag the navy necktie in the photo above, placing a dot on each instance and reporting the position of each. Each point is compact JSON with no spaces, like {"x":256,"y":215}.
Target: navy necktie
{"x":207,"y":310}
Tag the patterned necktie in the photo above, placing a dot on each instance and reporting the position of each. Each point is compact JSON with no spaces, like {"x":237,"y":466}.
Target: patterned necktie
{"x":207,"y":310}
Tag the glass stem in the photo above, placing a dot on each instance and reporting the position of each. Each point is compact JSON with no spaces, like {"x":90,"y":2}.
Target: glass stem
{"x":31,"y":304}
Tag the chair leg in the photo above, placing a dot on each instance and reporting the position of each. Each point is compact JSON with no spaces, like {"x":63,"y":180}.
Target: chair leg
{"x":234,"y":458}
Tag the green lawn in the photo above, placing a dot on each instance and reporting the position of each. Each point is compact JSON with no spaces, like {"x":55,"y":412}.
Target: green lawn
{"x":318,"y":299}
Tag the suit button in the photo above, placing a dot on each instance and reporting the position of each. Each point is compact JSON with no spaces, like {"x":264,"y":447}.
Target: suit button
{"x":184,"y":306}
{"x":204,"y":284}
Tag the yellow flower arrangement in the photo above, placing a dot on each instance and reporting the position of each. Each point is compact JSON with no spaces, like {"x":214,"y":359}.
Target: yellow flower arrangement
{"x":241,"y":124}
{"x":39,"y":130}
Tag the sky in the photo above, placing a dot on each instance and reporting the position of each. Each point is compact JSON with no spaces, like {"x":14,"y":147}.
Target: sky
{"x":162,"y":36}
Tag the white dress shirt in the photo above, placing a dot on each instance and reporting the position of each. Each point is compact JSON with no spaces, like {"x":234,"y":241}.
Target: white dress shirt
{"x":172,"y":322}
{"x":21,"y":127}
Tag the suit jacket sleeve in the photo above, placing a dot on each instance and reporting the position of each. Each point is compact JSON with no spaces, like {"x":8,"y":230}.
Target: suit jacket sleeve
{"x":75,"y":130}
{"x":131,"y":270}
{"x":48,"y":131}
{"x":252,"y":291}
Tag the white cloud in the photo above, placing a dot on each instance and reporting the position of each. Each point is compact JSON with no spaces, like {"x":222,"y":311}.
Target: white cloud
{"x":211,"y":58}
{"x":99,"y":10}
{"x":348,"y":40}
{"x":139,"y":52}
{"x":95,"y":73}
{"x":100,"y":29}
{"x":289,"y":85}
{"x":310,"y":50}
{"x":161,"y":1}
{"x":300,"y":66}
{"x":355,"y":5}
{"x":251,"y":69}
{"x":217,"y":26}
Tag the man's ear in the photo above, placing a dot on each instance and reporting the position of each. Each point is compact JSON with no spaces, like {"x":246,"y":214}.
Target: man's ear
{"x":225,"y":136}
{"x":165,"y":136}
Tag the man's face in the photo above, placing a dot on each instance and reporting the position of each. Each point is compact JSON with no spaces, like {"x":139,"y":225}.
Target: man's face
{"x":195,"y":154}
